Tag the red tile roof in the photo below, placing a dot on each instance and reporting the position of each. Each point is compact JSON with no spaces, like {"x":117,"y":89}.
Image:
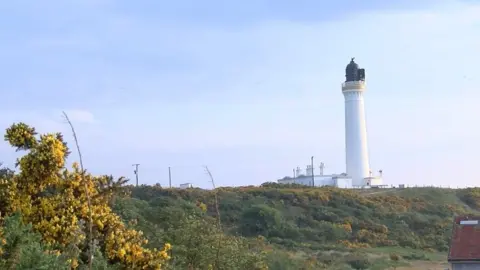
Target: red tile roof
{"x":465,"y":242}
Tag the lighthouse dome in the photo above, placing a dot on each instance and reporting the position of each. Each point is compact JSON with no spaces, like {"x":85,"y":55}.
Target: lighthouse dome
{"x":351,"y":71}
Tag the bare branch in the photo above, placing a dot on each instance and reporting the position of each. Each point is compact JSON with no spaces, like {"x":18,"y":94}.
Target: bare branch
{"x":216,"y":196}
{"x":90,"y":229}
{"x":215,"y":193}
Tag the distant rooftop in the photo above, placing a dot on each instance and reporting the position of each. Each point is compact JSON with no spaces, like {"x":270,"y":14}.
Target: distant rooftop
{"x":465,"y":241}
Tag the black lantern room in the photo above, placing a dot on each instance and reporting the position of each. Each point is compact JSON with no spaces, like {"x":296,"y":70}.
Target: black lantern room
{"x":353,"y":73}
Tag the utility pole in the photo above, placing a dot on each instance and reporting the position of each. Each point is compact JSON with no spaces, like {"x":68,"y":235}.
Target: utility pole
{"x":313,"y":174}
{"x":170,"y":177}
{"x":136,"y":172}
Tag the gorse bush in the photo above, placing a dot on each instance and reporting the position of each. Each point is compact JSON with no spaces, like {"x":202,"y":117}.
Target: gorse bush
{"x":59,"y":203}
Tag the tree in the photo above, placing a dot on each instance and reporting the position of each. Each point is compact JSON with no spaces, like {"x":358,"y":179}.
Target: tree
{"x":111,"y":189}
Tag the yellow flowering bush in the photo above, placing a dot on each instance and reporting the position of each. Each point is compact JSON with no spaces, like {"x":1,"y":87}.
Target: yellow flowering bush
{"x":55,"y":201}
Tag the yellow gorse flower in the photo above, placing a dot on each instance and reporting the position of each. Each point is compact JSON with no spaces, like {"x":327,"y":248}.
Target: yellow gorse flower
{"x":57,"y":217}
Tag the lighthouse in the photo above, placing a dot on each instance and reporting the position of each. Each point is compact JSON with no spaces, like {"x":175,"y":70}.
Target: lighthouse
{"x":356,"y":148}
{"x":358,"y":173}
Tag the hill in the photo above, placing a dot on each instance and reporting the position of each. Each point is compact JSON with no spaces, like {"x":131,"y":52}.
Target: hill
{"x":318,"y":227}
{"x":53,"y":217}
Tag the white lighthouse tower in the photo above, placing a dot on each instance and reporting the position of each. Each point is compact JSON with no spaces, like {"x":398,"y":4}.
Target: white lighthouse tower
{"x":358,"y":167}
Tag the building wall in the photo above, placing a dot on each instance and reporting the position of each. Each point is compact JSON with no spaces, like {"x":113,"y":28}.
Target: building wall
{"x":307,"y":181}
{"x":376,"y":181}
{"x":344,"y":182}
{"x":187,"y":185}
{"x":320,"y":181}
{"x":465,"y":266}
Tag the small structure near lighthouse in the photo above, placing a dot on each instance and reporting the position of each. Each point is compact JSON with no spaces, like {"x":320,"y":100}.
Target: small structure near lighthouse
{"x":358,"y":172}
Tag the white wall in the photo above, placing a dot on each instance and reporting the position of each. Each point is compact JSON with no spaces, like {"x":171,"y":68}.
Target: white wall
{"x":307,"y":181}
{"x":376,"y":181}
{"x":324,"y":180}
{"x":320,"y":181}
{"x":344,"y":182}
{"x":187,"y":185}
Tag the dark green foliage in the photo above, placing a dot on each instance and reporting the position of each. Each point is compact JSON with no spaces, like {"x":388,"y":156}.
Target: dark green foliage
{"x":261,"y":220}
{"x":100,"y":263}
{"x":23,"y":248}
{"x":359,"y":262}
{"x":197,"y":242}
{"x":5,"y":173}
{"x":304,"y":228}
{"x":415,"y":256}
{"x":471,"y":197}
{"x":296,"y":216}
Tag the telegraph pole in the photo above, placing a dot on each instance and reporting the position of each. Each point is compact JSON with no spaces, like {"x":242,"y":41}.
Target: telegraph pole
{"x":313,"y":174}
{"x":170,"y":177}
{"x":136,"y":172}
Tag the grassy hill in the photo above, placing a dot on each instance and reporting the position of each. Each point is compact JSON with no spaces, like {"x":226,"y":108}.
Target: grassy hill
{"x":54,"y":217}
{"x":316,"y":228}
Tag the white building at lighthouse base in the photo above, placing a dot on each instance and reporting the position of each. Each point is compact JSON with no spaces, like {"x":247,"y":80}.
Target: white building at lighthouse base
{"x":332,"y":180}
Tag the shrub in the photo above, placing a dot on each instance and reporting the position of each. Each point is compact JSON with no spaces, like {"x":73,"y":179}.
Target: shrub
{"x":359,"y":262}
{"x":68,"y":208}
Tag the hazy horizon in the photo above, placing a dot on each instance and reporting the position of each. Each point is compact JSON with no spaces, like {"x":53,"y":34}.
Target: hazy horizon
{"x":251,"y":88}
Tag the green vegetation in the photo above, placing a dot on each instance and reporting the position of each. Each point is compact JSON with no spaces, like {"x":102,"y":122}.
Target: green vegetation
{"x":318,"y":228}
{"x":52,"y":217}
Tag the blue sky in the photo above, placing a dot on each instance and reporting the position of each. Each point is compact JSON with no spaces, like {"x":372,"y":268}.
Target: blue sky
{"x":250,"y":88}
